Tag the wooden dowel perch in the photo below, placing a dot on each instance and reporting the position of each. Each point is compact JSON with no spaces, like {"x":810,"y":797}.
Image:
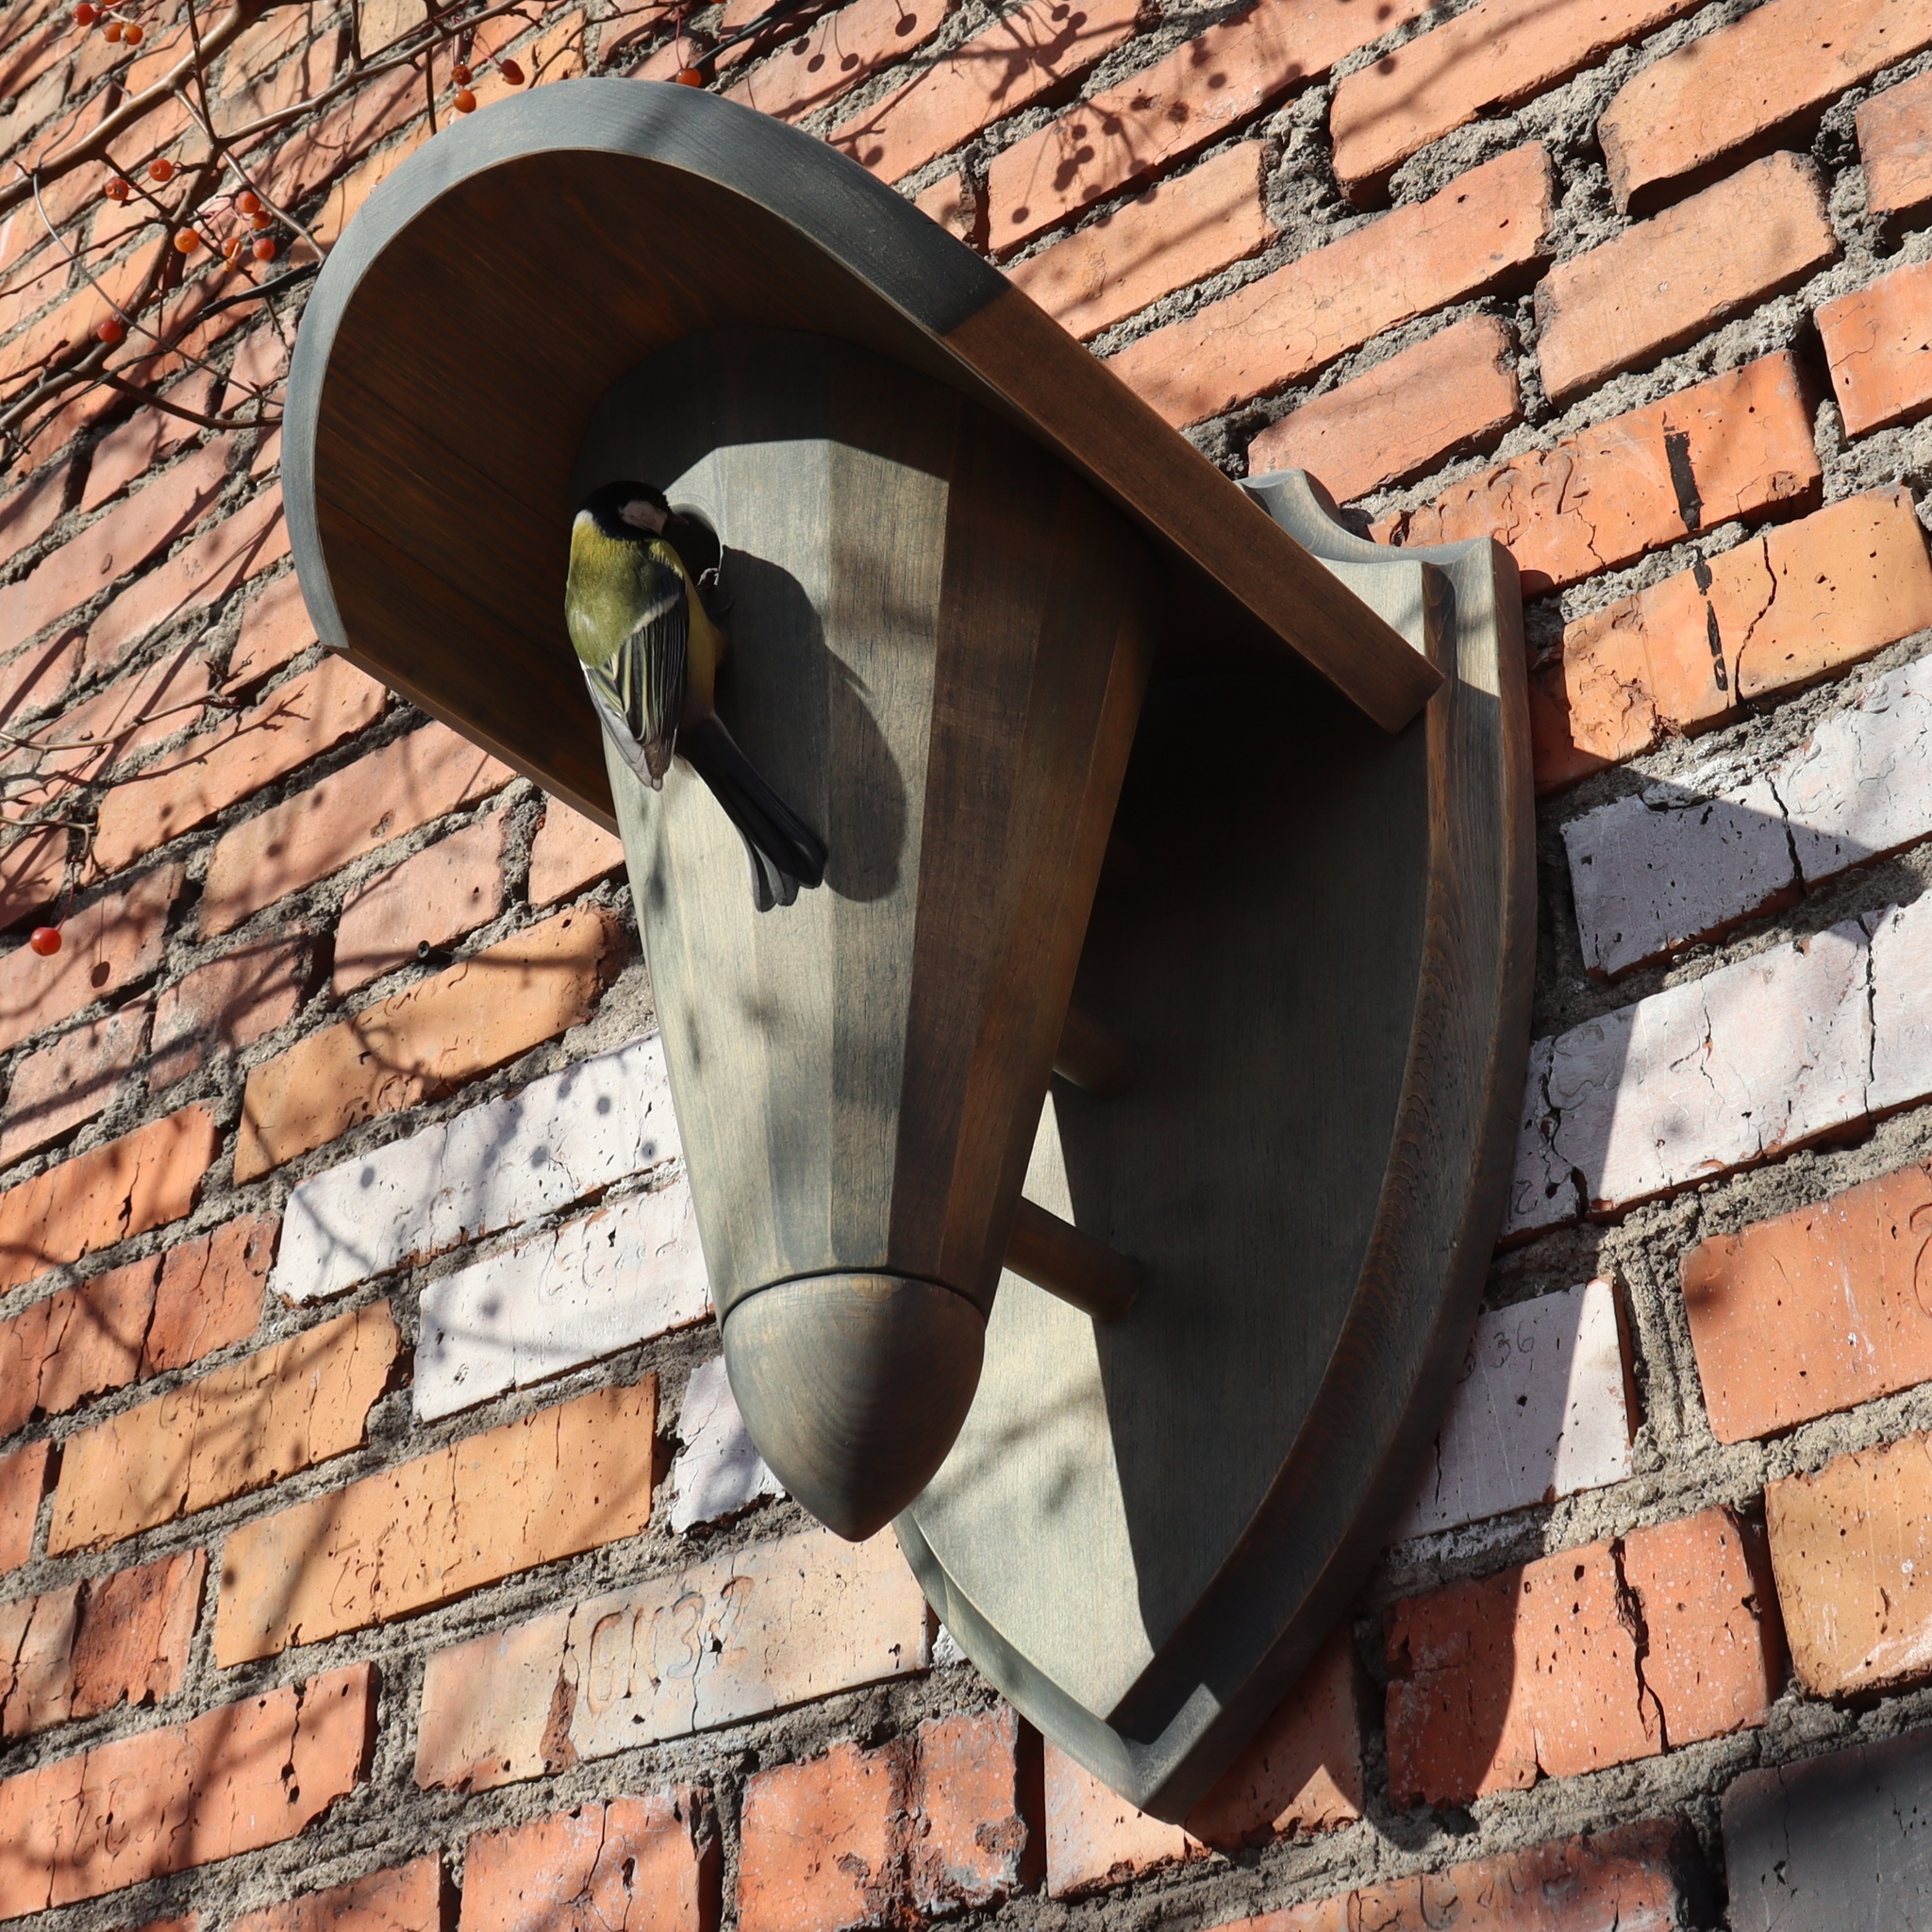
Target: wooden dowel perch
{"x":1093,"y":1057}
{"x":1055,"y":1254}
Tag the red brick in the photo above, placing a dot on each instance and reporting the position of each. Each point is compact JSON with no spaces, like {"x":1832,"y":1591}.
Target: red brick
{"x":428,"y":1040}
{"x":33,"y":870}
{"x":145,"y":439}
{"x":1094,"y":1838}
{"x":187,"y":786}
{"x":837,"y":51}
{"x":632,"y":1865}
{"x":1876,"y":341}
{"x":210,"y":1294}
{"x":1676,"y":276}
{"x":22,"y":1483}
{"x":1852,"y":1549}
{"x":37,"y":678}
{"x":1405,"y":415}
{"x":317,"y":151}
{"x":820,"y":1841}
{"x":1637,"y":1878}
{"x":70,"y":1081}
{"x":121,"y":541}
{"x":1497,"y":55}
{"x":133,"y":712}
{"x":351,"y":811}
{"x":1896,"y":144}
{"x":1479,"y":233}
{"x":1302,"y":1770}
{"x":226,"y":1005}
{"x":568,"y":853}
{"x":972,"y":1845}
{"x":1742,"y":89}
{"x":954,"y":206}
{"x":1785,"y":607}
{"x":443,"y":891}
{"x":566,"y":1480}
{"x":240,"y":546}
{"x":1180,"y":231}
{"x":233,"y":1431}
{"x":131,"y":1646}
{"x":405,"y":1898}
{"x":1198,"y":92}
{"x":1813,"y":1311}
{"x":126,"y":1324}
{"x":1717,"y":1644}
{"x":32,"y":510}
{"x":88,"y":1647}
{"x":1537,"y":1673}
{"x":75,"y":1343}
{"x":250,"y":1775}
{"x":275,"y":627}
{"x":1025,"y":54}
{"x":145,"y":1179}
{"x":1735,"y":446}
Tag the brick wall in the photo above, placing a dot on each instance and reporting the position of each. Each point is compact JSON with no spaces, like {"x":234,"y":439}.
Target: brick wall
{"x":379,"y":1544}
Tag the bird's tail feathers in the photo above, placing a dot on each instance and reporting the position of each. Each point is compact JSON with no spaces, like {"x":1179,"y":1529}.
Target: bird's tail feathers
{"x":784,"y":852}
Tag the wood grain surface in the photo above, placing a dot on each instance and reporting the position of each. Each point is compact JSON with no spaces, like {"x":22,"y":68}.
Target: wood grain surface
{"x":441,"y":389}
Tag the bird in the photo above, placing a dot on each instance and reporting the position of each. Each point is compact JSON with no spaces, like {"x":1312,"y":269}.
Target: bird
{"x":649,"y":653}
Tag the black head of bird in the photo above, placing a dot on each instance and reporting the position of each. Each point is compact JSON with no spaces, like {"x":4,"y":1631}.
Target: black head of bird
{"x":649,"y":653}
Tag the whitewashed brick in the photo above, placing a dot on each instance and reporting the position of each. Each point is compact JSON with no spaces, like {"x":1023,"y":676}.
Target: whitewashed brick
{"x":1541,"y":1191}
{"x":1540,"y":1412}
{"x":713,"y":1644}
{"x":1862,"y":786}
{"x":492,"y":1169}
{"x":1678,"y":861}
{"x":1901,"y":1005}
{"x":585,"y":1289}
{"x":719,"y":1471}
{"x":1673,"y":863}
{"x":1749,"y":1061}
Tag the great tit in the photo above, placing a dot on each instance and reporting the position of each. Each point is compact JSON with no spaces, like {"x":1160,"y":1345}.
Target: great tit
{"x":649,"y":653}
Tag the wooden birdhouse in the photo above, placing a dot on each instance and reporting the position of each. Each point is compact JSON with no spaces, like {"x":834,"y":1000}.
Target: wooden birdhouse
{"x":1096,"y":1173}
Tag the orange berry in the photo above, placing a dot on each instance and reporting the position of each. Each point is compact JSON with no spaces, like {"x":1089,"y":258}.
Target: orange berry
{"x":265,"y":250}
{"x":45,"y":941}
{"x":111,"y":31}
{"x":162,"y":170}
{"x":111,"y":331}
{"x":459,"y":76}
{"x":464,"y":102}
{"x":510,"y":71}
{"x":86,"y":14}
{"x":690,"y":76}
{"x":186,"y":241}
{"x":131,"y":33}
{"x":231,"y":247}
{"x":248,"y":202}
{"x":259,"y":221}
{"x":117,"y":190}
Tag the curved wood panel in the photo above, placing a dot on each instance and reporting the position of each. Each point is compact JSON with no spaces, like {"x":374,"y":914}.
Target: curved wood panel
{"x":1322,"y":966}
{"x":495,"y":287}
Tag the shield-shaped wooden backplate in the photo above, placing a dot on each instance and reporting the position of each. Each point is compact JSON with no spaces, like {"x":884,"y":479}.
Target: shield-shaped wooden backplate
{"x":1317,"y":948}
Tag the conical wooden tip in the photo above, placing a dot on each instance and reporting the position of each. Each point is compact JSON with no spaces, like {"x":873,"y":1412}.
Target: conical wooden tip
{"x":854,"y":1387}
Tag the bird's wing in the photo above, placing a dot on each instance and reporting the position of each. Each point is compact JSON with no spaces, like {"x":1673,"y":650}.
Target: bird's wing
{"x":641,"y":683}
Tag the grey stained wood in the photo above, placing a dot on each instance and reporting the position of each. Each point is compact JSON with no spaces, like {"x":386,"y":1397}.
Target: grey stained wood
{"x":939,"y":638}
{"x":496,"y":285}
{"x":1321,"y":964}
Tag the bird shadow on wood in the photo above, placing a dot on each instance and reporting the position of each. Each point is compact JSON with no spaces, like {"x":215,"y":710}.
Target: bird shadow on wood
{"x":804,"y":718}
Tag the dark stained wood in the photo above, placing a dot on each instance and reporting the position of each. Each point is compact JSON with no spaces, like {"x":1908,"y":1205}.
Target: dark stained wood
{"x":1323,"y":956}
{"x":1057,"y":1255}
{"x":496,"y":285}
{"x":1095,"y":1058}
